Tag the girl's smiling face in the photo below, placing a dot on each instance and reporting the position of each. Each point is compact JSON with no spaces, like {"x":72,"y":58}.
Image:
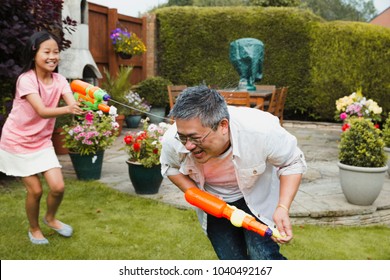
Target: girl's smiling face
{"x":47,"y":56}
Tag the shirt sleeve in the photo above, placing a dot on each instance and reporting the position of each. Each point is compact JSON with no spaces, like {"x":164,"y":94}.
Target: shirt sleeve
{"x":27,"y":84}
{"x":170,"y":156}
{"x":285,"y":153}
{"x":297,"y":166}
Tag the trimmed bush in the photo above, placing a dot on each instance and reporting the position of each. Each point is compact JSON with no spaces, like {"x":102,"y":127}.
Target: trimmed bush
{"x":319,"y":61}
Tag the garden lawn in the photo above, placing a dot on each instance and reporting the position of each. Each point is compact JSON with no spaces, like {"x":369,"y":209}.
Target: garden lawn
{"x":110,"y":225}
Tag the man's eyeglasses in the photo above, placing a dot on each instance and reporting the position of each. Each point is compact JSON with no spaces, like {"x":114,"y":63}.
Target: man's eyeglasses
{"x":196,"y":141}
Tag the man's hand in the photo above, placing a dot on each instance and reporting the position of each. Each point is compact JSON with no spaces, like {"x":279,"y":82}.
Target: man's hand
{"x":283,"y":224}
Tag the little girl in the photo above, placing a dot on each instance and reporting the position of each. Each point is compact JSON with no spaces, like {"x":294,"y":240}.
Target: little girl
{"x":26,"y":149}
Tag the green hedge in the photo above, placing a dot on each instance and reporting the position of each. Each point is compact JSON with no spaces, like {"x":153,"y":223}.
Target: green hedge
{"x":193,"y":48}
{"x":345,"y":56}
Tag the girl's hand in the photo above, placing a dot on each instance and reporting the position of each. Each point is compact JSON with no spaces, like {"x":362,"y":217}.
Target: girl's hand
{"x":75,"y":109}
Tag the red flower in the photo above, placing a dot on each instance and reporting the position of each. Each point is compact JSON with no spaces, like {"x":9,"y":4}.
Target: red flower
{"x":155,"y":151}
{"x":143,"y":135}
{"x":345,"y":127}
{"x":128,"y":139}
{"x":376,"y":125}
{"x":137,"y":146}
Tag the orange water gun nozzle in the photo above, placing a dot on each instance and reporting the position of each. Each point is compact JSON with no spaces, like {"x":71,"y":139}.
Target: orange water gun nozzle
{"x":220,"y":209}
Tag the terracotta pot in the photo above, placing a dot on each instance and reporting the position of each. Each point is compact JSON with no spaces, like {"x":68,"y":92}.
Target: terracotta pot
{"x":120,"y":120}
{"x":58,"y":143}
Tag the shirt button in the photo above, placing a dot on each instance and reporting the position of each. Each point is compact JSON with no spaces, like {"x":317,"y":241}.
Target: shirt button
{"x":254,"y":172}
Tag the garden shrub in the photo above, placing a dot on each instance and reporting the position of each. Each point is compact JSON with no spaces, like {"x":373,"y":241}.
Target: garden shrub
{"x":319,"y":61}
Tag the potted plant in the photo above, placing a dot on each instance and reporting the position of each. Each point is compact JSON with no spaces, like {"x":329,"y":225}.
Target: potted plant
{"x":144,"y":149}
{"x":155,"y":92}
{"x":362,"y":161}
{"x":386,"y":139}
{"x":126,"y":44}
{"x":117,"y":87}
{"x":137,"y":106}
{"x":87,"y":138}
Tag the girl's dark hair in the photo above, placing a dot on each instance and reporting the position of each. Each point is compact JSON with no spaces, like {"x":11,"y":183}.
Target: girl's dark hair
{"x":30,"y":50}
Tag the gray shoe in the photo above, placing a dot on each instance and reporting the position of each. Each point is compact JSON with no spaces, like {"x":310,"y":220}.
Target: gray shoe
{"x":37,"y":241}
{"x":65,"y":230}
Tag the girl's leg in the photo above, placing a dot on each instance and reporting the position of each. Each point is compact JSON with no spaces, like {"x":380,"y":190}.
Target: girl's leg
{"x":34,"y":194}
{"x":56,"y":185}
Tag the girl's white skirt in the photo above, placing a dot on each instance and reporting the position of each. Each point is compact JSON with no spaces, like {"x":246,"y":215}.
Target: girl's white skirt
{"x":23,"y":165}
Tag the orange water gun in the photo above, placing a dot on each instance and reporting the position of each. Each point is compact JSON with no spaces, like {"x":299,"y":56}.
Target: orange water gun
{"x":90,"y":95}
{"x":220,"y":209}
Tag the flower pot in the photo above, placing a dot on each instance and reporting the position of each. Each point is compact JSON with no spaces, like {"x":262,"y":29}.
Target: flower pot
{"x":120,"y":120}
{"x":124,"y":55}
{"x":387,"y":150}
{"x":156,"y":115}
{"x":132,"y":121}
{"x":87,"y":167}
{"x":57,"y":139}
{"x":361,"y":185}
{"x":145,"y":180}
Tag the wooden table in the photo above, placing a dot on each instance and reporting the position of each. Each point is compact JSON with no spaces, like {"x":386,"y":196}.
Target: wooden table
{"x":257,"y":97}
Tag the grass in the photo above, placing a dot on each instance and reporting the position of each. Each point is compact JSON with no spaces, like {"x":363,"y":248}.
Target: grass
{"x":110,"y":225}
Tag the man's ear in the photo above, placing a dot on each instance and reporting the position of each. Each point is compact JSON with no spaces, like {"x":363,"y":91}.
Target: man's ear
{"x":225,"y":125}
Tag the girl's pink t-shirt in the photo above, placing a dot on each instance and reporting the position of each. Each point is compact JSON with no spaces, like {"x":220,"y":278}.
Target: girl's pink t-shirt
{"x":25,"y":131}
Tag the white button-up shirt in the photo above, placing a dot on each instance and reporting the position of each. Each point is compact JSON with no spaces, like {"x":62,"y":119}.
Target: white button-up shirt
{"x":262,"y":151}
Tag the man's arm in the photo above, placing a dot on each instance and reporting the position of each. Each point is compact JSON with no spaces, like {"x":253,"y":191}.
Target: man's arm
{"x":183,"y":182}
{"x":289,"y":185}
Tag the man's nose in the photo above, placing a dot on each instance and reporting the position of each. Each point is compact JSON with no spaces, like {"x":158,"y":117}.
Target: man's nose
{"x":189,"y":145}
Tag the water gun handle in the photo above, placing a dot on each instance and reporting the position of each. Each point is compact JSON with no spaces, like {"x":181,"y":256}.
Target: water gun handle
{"x":91,"y":103}
{"x":220,"y":209}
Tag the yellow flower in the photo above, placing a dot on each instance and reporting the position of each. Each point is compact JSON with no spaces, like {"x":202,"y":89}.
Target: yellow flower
{"x":127,"y":42}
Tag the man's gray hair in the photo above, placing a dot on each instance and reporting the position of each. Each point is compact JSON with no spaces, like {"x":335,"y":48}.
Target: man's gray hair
{"x":203,"y":103}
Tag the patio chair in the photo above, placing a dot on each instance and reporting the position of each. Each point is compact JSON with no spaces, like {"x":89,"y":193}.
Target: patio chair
{"x":236,"y":98}
{"x":173,"y":93}
{"x":273,"y":103}
{"x":264,"y":87}
{"x":280,"y":106}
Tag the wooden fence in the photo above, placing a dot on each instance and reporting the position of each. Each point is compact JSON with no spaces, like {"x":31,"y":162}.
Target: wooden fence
{"x":101,"y":21}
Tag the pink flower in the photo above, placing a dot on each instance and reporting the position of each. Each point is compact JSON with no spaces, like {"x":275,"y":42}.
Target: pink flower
{"x":89,"y":117}
{"x":343,"y":116}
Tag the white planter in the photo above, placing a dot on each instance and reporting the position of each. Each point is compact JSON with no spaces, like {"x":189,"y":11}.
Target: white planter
{"x":387,"y":150}
{"x":361,"y":185}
